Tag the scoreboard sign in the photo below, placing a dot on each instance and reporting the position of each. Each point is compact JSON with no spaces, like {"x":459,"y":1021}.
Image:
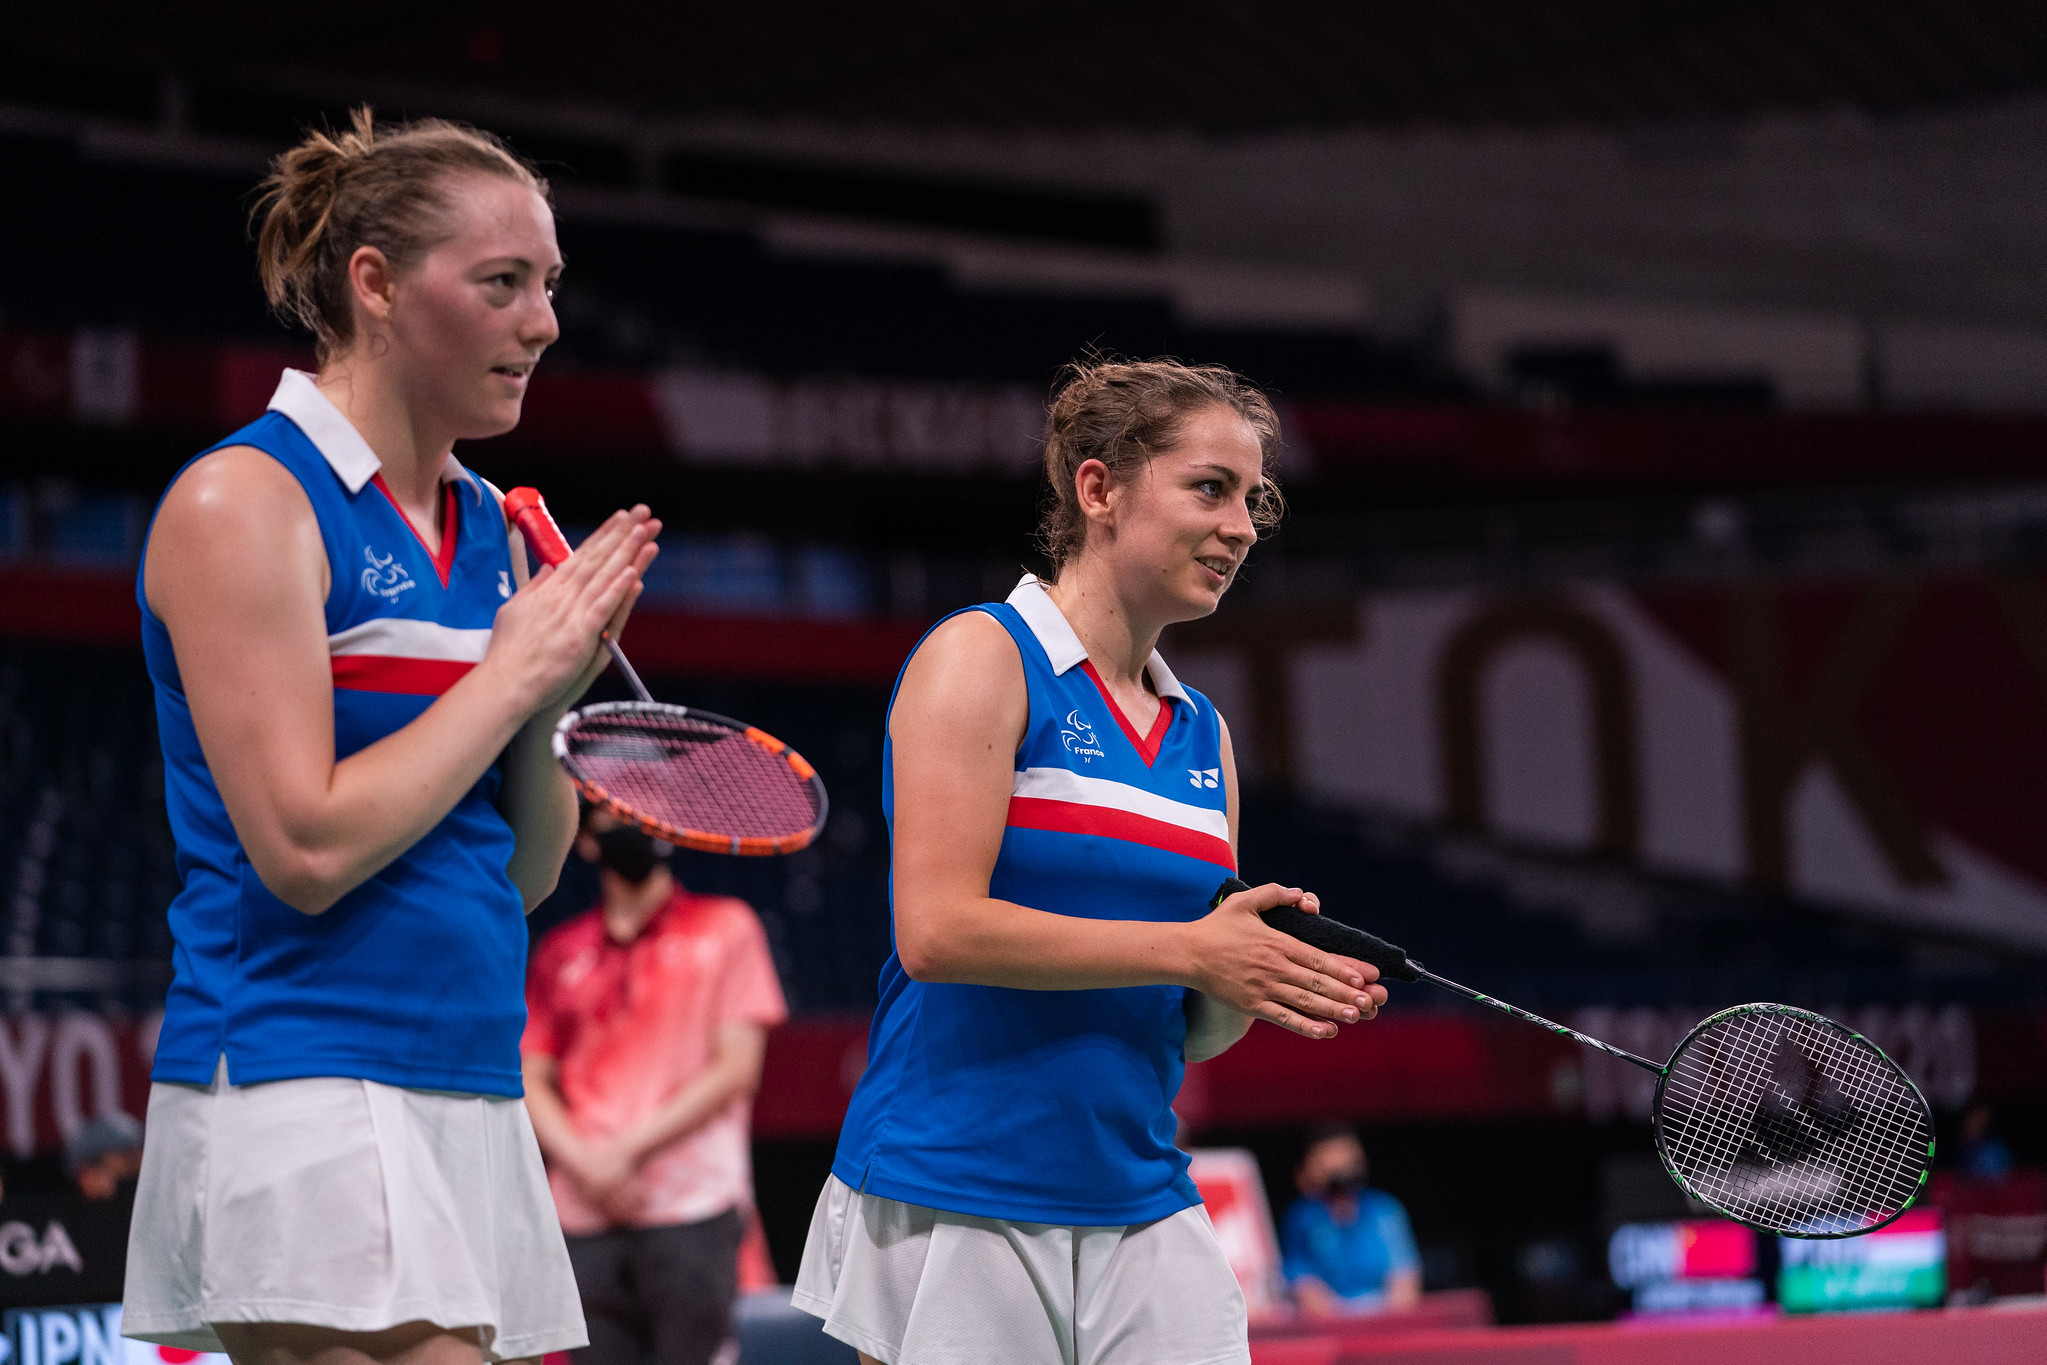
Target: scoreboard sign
{"x":83,"y":1334}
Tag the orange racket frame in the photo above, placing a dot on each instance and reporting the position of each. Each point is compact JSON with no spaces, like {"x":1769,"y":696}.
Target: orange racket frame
{"x":527,"y":510}
{"x":704,"y":841}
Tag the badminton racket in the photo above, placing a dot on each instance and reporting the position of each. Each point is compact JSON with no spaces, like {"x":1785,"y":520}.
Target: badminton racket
{"x":1777,"y":1117}
{"x":690,"y":777}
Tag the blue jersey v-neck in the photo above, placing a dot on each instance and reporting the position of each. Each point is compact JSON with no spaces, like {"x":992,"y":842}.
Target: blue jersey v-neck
{"x":1055,"y":1106}
{"x":416,"y":977}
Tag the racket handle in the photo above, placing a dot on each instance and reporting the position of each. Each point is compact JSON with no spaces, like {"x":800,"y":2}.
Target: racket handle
{"x":527,"y":510}
{"x":1331,"y":936}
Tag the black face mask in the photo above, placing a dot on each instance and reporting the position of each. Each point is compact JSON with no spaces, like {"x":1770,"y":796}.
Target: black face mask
{"x":1345,"y":1185}
{"x":629,"y":852}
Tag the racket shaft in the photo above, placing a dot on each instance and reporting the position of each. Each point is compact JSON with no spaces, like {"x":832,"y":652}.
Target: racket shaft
{"x":631,"y":676}
{"x":528,"y":511}
{"x":1334,"y":936}
{"x":1503,"y":1007}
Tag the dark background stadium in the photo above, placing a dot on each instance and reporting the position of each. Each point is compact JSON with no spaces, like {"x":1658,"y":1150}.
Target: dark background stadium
{"x":1651,"y":310}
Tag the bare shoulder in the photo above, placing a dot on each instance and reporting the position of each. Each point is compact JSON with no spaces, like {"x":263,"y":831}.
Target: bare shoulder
{"x":234,"y":508}
{"x":233,"y":480}
{"x":968,"y":661}
{"x":238,"y":499}
{"x":970,"y":642}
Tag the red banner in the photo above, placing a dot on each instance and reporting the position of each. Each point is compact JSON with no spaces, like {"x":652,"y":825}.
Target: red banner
{"x":98,"y":607}
{"x":59,"y":1070}
{"x":742,"y":419}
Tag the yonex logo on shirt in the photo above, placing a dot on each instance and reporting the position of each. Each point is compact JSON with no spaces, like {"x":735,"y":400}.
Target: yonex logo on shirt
{"x":385,"y":577}
{"x":1204,"y":777}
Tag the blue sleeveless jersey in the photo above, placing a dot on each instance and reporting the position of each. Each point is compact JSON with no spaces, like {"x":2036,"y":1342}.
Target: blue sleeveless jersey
{"x":416,"y":977}
{"x":1055,"y":1106}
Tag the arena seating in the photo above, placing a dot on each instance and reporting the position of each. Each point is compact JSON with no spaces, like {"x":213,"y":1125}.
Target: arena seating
{"x":87,"y":865}
{"x":84,"y":849}
{"x":638,"y":294}
{"x":85,"y":852}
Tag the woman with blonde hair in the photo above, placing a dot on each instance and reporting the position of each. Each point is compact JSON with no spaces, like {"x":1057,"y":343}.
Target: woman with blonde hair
{"x":355,"y":684}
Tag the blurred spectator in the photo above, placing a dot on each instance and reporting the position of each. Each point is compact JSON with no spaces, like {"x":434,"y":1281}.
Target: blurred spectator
{"x":647,"y":1020}
{"x":105,"y":1155}
{"x":1344,"y":1247}
{"x":1982,"y":1154}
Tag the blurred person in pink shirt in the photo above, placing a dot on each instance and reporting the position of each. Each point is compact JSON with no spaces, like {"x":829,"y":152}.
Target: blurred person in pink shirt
{"x":646,"y":1021}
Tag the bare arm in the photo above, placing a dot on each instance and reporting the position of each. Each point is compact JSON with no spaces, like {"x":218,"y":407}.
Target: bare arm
{"x":954,"y":729}
{"x":1314,"y":1298}
{"x":734,"y":1069}
{"x":237,"y":573}
{"x":537,"y":799}
{"x":1213,"y":1028}
{"x":605,"y":1170}
{"x":601,"y":1171}
{"x":539,"y":803}
{"x":558,"y":1137}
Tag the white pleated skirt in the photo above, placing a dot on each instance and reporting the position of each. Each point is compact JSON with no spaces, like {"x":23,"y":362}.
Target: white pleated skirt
{"x":346,"y":1204}
{"x":919,"y":1286}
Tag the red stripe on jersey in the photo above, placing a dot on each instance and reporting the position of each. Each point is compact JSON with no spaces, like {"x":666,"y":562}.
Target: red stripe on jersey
{"x":385,"y":673}
{"x":451,"y":527}
{"x":1070,"y":817}
{"x":1147,"y":746}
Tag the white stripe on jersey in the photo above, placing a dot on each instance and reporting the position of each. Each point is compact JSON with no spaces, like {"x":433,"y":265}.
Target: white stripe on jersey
{"x":401,"y":638}
{"x":1057,"y":784}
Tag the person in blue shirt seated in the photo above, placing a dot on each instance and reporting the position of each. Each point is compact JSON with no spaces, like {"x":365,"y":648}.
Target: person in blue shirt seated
{"x":1345,"y":1247}
{"x":1982,"y":1154}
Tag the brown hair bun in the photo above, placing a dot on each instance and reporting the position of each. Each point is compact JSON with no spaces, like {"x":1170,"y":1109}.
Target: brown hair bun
{"x":1124,"y":412}
{"x":367,"y":185}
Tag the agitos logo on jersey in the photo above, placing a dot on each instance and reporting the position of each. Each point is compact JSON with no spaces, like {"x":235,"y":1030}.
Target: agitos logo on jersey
{"x":1079,"y":737}
{"x":385,"y":577}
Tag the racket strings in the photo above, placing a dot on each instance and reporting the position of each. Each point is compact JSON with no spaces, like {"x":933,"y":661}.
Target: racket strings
{"x":1813,"y":1147}
{"x":691,"y":774}
{"x":1788,"y":1145}
{"x":1785,"y":1120}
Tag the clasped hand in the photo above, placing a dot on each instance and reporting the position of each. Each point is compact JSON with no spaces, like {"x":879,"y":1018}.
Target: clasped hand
{"x":607,"y":1175}
{"x":546,"y":638}
{"x":1256,"y":970}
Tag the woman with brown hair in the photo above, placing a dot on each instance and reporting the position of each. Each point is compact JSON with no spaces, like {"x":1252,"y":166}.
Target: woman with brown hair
{"x":1062,"y":808}
{"x":355,"y":685}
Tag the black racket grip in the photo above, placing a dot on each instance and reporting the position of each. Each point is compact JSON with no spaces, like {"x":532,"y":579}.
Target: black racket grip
{"x":1331,"y":936}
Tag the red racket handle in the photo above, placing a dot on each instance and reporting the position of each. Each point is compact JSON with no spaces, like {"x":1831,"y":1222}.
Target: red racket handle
{"x":527,"y":510}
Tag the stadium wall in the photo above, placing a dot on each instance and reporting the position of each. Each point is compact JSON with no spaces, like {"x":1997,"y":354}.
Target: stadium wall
{"x":1937,"y":214}
{"x":60,"y":1069}
{"x":1825,"y":739}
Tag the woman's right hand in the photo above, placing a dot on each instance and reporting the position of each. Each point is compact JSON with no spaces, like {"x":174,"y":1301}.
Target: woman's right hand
{"x":545,"y":642}
{"x":1256,"y":970}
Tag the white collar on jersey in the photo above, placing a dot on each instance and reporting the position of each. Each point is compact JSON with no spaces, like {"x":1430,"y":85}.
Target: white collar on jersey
{"x":1064,"y":648}
{"x":333,"y":435}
